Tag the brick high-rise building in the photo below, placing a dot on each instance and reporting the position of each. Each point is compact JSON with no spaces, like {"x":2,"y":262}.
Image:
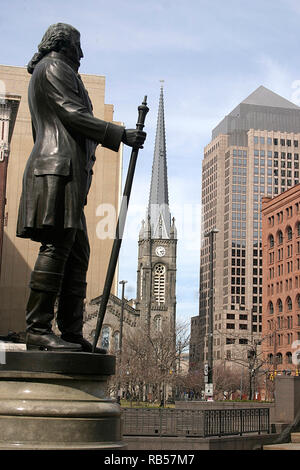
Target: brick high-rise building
{"x":281,"y":280}
{"x":254,"y":152}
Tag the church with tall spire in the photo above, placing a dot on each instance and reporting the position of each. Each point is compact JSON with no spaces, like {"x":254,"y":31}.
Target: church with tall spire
{"x":156,"y":272}
{"x":154,"y":308}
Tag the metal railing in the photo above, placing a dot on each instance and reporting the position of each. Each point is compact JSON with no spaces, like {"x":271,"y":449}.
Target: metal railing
{"x":195,"y":423}
{"x":236,"y":421}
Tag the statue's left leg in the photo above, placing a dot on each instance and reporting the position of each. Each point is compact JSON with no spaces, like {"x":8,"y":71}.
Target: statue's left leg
{"x":69,"y":316}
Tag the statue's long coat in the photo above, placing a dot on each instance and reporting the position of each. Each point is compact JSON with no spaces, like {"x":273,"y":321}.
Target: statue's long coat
{"x":58,"y":173}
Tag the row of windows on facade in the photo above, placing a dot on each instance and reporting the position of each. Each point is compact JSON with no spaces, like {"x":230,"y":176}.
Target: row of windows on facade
{"x":209,"y":197}
{"x":208,"y":169}
{"x":289,"y":267}
{"x":234,"y":340}
{"x":236,"y":238}
{"x":279,"y":305}
{"x":282,"y":323}
{"x":209,"y":176}
{"x":280,"y":253}
{"x":270,"y":179}
{"x":279,"y":237}
{"x":273,"y":173}
{"x":273,"y":155}
{"x":278,"y":358}
{"x":275,"y":141}
{"x":289,"y":285}
{"x":239,"y":306}
{"x":286,"y":178}
{"x":209,"y":223}
{"x":212,"y":148}
{"x":278,"y":217}
{"x":210,"y":214}
{"x":282,"y":339}
{"x":241,"y":290}
{"x":244,"y":326}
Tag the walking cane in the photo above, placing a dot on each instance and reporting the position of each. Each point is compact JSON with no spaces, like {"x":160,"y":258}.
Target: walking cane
{"x":143,"y":110}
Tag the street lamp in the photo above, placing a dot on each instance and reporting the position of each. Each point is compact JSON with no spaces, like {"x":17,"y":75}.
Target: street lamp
{"x":209,"y":368}
{"x":122,"y":316}
{"x":121,"y":336}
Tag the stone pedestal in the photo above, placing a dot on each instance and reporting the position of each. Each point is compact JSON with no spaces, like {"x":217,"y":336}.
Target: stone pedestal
{"x":51,"y":400}
{"x":287,"y":398}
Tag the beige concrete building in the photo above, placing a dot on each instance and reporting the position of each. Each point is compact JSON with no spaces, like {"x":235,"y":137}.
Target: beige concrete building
{"x":19,"y":255}
{"x":254,"y":152}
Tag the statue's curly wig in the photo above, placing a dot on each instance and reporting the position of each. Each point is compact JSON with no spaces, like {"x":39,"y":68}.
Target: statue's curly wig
{"x":55,"y":38}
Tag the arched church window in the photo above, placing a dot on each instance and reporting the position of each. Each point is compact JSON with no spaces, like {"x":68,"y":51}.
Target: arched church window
{"x":116,"y":340}
{"x":159,"y":283}
{"x":105,"y":337}
{"x":157,"y":322}
{"x":141,"y":281}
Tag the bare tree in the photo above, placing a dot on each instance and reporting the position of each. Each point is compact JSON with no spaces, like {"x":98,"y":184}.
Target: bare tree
{"x":150,"y":364}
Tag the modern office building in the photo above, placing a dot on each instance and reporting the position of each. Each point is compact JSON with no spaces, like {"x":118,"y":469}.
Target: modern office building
{"x":281,"y":281}
{"x":19,"y":255}
{"x":254,"y":152}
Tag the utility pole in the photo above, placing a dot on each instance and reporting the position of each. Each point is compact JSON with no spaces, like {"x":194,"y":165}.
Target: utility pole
{"x":208,"y":368}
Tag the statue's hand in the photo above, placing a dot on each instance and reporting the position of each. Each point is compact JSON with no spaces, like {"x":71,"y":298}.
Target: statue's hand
{"x":134,"y":138}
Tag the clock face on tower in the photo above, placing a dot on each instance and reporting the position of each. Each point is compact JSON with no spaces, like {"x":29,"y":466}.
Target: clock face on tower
{"x":160,"y":251}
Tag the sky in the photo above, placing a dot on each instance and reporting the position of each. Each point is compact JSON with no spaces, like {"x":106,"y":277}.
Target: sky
{"x":211,"y":55}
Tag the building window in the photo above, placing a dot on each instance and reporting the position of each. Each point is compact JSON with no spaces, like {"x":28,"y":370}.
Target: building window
{"x":289,"y":303}
{"x":159,"y":283}
{"x":270,"y":358}
{"x":157,"y":323}
{"x":289,"y":358}
{"x":279,"y":355}
{"x":280,"y":237}
{"x":105,"y":337}
{"x":271,"y":308}
{"x":279,"y":306}
{"x":116,"y":341}
{"x":141,"y":281}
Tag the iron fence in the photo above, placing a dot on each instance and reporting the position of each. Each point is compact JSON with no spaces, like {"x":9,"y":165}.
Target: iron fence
{"x":195,"y":423}
{"x":236,"y":421}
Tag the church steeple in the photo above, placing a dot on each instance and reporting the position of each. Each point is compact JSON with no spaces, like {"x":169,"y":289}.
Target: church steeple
{"x":158,"y":207}
{"x":156,"y":273}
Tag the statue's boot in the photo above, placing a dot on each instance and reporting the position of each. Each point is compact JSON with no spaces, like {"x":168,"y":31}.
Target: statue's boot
{"x":70,"y":321}
{"x":40,"y":313}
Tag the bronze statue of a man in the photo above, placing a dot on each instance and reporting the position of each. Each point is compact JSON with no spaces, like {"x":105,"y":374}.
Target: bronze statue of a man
{"x":56,"y":182}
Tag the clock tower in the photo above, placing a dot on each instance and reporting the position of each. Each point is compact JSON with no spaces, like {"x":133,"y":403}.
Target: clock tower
{"x":156,"y":273}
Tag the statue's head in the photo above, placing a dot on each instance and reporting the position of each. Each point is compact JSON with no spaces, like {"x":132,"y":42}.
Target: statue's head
{"x":59,"y":37}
